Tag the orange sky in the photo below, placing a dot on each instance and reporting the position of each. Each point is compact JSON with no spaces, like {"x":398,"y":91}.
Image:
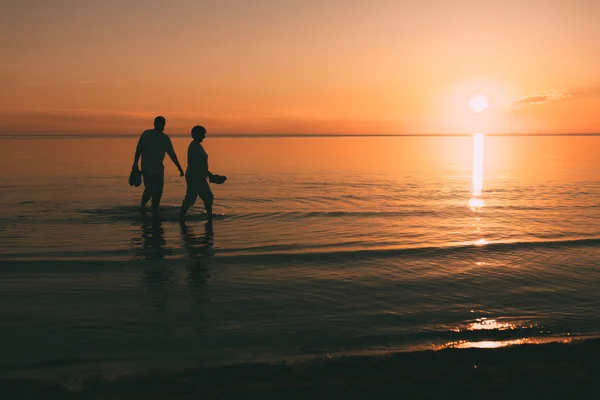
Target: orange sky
{"x":310,"y":66}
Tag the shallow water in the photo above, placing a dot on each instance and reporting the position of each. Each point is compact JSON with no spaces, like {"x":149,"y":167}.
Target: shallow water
{"x":320,"y":246}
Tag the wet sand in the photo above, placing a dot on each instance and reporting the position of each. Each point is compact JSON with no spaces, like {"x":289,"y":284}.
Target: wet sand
{"x":555,"y":371}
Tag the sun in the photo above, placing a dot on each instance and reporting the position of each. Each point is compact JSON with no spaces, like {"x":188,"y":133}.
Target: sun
{"x":478,"y":103}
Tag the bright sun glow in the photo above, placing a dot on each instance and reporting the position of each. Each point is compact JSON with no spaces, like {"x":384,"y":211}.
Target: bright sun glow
{"x":478,"y":103}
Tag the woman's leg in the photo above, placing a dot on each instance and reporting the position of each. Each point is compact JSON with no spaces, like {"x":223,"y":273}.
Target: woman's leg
{"x":208,"y":205}
{"x":190,"y":198}
{"x":207,"y":197}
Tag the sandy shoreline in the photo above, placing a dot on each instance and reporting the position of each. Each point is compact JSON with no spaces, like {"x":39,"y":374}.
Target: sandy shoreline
{"x":555,"y":370}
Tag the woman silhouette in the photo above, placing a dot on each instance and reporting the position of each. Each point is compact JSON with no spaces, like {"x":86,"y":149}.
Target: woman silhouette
{"x":196,"y":176}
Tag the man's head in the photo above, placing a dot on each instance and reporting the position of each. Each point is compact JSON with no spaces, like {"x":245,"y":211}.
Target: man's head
{"x":159,"y":124}
{"x":198,"y":133}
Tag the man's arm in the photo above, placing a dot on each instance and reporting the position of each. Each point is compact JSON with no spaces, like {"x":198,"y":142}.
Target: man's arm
{"x":138,"y":153}
{"x":173,"y":156}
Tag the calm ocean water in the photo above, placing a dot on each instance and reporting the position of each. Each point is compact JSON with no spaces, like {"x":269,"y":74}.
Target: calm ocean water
{"x":321,"y":246}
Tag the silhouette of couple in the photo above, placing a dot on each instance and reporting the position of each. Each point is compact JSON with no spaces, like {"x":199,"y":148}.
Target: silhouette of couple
{"x":151,"y":147}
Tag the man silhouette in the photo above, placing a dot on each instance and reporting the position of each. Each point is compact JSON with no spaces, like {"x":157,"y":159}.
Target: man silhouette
{"x":152,"y":146}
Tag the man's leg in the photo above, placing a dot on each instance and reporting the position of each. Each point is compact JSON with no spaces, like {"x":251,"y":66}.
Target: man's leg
{"x":157,"y":191}
{"x":145,"y":198}
{"x":147,"y":195}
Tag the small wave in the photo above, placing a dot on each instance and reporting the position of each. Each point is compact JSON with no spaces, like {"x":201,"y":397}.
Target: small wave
{"x":132,"y":214}
{"x":282,"y":254}
{"x":49,"y":364}
{"x":415,"y":252}
{"x":258,"y":200}
{"x":414,"y":340}
{"x":358,"y":214}
{"x":171,"y":213}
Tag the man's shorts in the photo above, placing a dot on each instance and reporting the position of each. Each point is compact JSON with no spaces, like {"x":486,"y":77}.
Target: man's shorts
{"x":154,"y":182}
{"x":198,"y":187}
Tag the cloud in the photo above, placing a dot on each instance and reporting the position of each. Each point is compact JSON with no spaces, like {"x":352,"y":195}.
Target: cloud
{"x":541,"y":98}
{"x":106,"y":122}
{"x":88,"y":82}
{"x":37,"y":83}
{"x":68,"y":121}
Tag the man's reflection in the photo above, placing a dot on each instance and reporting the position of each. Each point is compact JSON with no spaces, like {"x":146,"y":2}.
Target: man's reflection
{"x":153,"y":247}
{"x":153,"y":241}
{"x":199,"y":249}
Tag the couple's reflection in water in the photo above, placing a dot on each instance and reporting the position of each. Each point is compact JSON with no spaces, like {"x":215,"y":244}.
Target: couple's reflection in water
{"x":199,"y":249}
{"x":153,"y":245}
{"x":160,"y":271}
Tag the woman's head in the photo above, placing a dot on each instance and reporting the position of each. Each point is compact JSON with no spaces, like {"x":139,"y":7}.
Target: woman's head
{"x":198,"y":132}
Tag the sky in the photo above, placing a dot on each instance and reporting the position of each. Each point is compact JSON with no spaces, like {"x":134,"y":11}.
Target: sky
{"x":299,"y":67}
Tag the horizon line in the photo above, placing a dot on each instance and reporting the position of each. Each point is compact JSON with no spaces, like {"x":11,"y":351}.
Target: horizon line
{"x":283,"y":135}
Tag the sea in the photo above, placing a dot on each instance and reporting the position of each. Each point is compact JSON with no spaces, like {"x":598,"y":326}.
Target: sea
{"x":321,"y":247}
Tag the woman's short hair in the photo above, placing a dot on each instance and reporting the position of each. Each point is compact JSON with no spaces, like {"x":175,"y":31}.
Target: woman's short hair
{"x":198,"y":131}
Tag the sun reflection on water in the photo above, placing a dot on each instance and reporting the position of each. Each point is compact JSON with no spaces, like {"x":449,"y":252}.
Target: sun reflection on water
{"x":477,"y":179}
{"x":492,"y":324}
{"x":494,"y":344}
{"x":488,"y":344}
{"x":484,"y":323}
{"x":476,"y":202}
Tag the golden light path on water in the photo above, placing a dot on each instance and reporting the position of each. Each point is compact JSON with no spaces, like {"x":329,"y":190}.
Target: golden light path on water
{"x":477,"y":180}
{"x":495,"y":344}
{"x":476,"y":203}
{"x":483,"y":324}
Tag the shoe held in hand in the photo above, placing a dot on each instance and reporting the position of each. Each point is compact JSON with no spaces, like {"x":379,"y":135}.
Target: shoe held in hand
{"x":135,"y":177}
{"x":218,"y":179}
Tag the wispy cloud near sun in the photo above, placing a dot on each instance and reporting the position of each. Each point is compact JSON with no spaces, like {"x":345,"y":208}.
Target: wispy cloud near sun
{"x":544,"y":97}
